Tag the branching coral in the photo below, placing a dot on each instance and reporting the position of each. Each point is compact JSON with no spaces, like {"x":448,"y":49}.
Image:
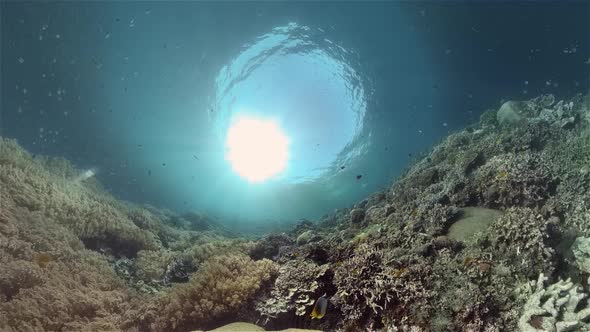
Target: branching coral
{"x":371,"y":289}
{"x":223,"y":285}
{"x":49,"y":282}
{"x":372,"y":286}
{"x":149,"y":221}
{"x":522,"y":179}
{"x":152,"y":265}
{"x":554,"y":308}
{"x":72,"y":296}
{"x":294,"y":289}
{"x":270,"y":245}
{"x":199,"y":253}
{"x":522,"y":236}
{"x":94,"y":216}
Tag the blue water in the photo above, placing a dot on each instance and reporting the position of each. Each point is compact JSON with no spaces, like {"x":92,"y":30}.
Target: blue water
{"x":145,"y":92}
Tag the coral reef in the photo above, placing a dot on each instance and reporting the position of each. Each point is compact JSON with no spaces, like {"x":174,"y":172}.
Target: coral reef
{"x":222,"y":285}
{"x":581,"y":252}
{"x":373,"y":281}
{"x":554,"y":308}
{"x":49,"y":282}
{"x":451,"y":245}
{"x":295,"y":289}
{"x":73,"y":256}
{"x":511,"y":179}
{"x":509,"y":113}
{"x":269,"y":246}
{"x":522,"y":238}
{"x":94,"y":216}
{"x":472,"y":221}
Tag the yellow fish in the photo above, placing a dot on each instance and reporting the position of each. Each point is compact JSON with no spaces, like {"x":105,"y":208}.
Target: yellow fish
{"x":319,"y":309}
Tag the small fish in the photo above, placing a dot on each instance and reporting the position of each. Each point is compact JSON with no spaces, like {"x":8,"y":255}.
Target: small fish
{"x":319,"y":309}
{"x":342,"y":167}
{"x":42,"y":259}
{"x":196,"y":157}
{"x":397,"y":273}
{"x":163,"y":164}
{"x":149,"y":172}
{"x":358,"y":177}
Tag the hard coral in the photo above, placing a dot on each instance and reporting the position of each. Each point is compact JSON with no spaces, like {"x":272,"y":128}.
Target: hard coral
{"x":555,"y":308}
{"x":269,"y":246}
{"x":152,"y":265}
{"x":69,"y":296}
{"x":373,"y":288}
{"x":94,"y":216}
{"x":199,"y":253}
{"x":222,"y":286}
{"x":295,"y":289}
{"x":523,"y":237}
{"x":49,"y":282}
{"x":511,"y":179}
{"x":81,"y":293}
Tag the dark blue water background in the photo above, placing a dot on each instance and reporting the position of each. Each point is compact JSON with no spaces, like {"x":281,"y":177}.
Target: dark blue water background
{"x":142,"y":91}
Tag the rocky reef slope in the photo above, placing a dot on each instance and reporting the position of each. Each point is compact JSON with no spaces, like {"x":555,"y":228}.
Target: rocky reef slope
{"x":486,"y":232}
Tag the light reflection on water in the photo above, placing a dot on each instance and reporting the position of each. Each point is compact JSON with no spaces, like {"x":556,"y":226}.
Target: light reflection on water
{"x":308,"y":84}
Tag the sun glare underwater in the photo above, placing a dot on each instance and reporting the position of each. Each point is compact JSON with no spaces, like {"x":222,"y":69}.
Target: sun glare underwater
{"x":290,"y":104}
{"x":257,"y":149}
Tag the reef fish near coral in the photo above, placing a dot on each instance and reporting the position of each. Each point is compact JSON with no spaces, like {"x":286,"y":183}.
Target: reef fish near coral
{"x":319,"y":309}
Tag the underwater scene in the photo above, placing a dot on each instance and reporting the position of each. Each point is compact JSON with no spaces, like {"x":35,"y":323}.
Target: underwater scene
{"x":295,"y":166}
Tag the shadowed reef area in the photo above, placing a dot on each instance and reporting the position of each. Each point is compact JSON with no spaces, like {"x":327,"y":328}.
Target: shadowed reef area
{"x":488,"y":231}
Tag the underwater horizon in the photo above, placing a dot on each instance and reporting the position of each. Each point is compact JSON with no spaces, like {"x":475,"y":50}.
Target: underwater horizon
{"x":265,"y":166}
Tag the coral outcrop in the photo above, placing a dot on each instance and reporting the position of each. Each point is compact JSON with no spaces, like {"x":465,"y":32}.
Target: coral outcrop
{"x":555,"y":308}
{"x":49,"y":282}
{"x":85,"y":209}
{"x":295,"y":290}
{"x":222,"y":286}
